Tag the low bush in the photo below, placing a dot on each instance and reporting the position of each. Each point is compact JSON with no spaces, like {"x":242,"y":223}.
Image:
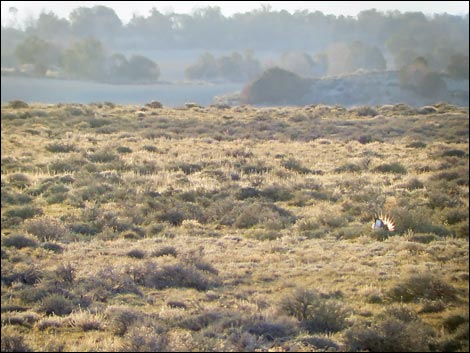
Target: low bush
{"x":120,"y":319}
{"x":394,"y":168}
{"x":165,"y":251}
{"x":295,"y":166}
{"x":389,"y":335}
{"x":136,"y":253}
{"x":12,"y":341}
{"x":56,"y":304}
{"x":46,"y":228}
{"x":60,"y":148}
{"x":417,"y":287}
{"x":19,"y":180}
{"x":315,"y":313}
{"x":17,"y":104}
{"x":19,"y":241}
{"x":179,"y":276}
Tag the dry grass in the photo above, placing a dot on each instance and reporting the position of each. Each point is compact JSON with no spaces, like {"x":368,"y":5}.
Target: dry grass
{"x":200,"y":229}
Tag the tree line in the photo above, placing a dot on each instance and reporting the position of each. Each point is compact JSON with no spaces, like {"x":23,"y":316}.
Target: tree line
{"x":90,"y":43}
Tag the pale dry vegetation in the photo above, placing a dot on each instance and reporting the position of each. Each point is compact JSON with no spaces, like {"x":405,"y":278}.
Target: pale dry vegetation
{"x":128,"y":228}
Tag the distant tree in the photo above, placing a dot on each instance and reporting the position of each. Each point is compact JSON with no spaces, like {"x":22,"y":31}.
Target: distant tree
{"x":97,"y":21}
{"x":275,"y":85}
{"x":205,"y":68}
{"x":418,"y":77}
{"x":231,"y":67}
{"x":235,"y":68}
{"x":85,"y":59}
{"x":432,"y":85}
{"x":413,"y":73}
{"x":142,"y":68}
{"x":362,"y":56}
{"x":40,"y":53}
{"x":299,"y":62}
{"x":251,"y":66}
{"x":320,"y":67}
{"x":117,"y":66}
{"x":458,"y":66}
{"x":51,"y":27}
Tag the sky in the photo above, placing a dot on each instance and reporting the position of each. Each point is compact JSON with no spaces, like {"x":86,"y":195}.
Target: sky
{"x":126,"y":9}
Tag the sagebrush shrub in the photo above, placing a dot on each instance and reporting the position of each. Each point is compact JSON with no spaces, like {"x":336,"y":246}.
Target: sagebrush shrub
{"x":389,"y":335}
{"x":19,"y":241}
{"x":417,"y":287}
{"x":56,"y":304}
{"x":315,"y":313}
{"x":46,"y":228}
{"x":12,"y":341}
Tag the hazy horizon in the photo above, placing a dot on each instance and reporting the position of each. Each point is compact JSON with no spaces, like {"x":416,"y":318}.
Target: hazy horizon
{"x":27,"y":10}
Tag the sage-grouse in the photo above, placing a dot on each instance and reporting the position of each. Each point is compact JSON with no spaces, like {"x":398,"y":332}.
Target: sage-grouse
{"x":384,"y":222}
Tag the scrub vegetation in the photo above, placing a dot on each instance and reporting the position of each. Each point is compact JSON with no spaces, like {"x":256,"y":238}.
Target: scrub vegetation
{"x":145,"y":228}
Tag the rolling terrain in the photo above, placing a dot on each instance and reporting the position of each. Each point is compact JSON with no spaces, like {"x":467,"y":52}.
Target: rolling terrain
{"x":218,"y":228}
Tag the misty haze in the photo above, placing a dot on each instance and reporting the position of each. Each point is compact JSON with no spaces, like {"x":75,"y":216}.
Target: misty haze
{"x":402,"y":57}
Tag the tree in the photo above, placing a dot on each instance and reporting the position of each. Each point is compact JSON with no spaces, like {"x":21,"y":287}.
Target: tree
{"x":362,"y":56}
{"x":51,"y":27}
{"x":299,"y":62}
{"x":39,"y":53}
{"x":98,"y":21}
{"x":85,"y":59}
{"x":277,"y":86}
{"x":205,"y":68}
{"x":142,"y":68}
{"x":458,"y":66}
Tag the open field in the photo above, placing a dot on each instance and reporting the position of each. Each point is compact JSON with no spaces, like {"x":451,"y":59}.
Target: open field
{"x":131,"y":228}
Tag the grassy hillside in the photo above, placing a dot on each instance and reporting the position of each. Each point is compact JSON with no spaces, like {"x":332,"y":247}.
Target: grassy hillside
{"x":128,"y":228}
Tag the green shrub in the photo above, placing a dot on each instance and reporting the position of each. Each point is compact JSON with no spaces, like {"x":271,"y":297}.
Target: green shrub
{"x":46,"y":228}
{"x":60,"y":148}
{"x":24,"y":212}
{"x":414,"y":184}
{"x":277,"y":193}
{"x":19,"y":241}
{"x":19,"y":180}
{"x":454,"y":153}
{"x":453,"y":321}
{"x":25,"y":274}
{"x":56,"y":304}
{"x":64,"y":166}
{"x":365,"y":110}
{"x":275,"y":85}
{"x":348,"y":168}
{"x":246,"y":193}
{"x":120,"y":319}
{"x":54,"y":247}
{"x":389,"y":335}
{"x":165,"y":251}
{"x":65,"y":273}
{"x":145,"y":338}
{"x":104,"y":156}
{"x":150,"y":148}
{"x":136,"y":253}
{"x":417,"y":287}
{"x":394,"y":168}
{"x":17,"y":104}
{"x":179,"y":276}
{"x":315,"y":313}
{"x":15,"y":198}
{"x":124,"y":149}
{"x":416,"y":144}
{"x":12,"y":341}
{"x":295,"y":166}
